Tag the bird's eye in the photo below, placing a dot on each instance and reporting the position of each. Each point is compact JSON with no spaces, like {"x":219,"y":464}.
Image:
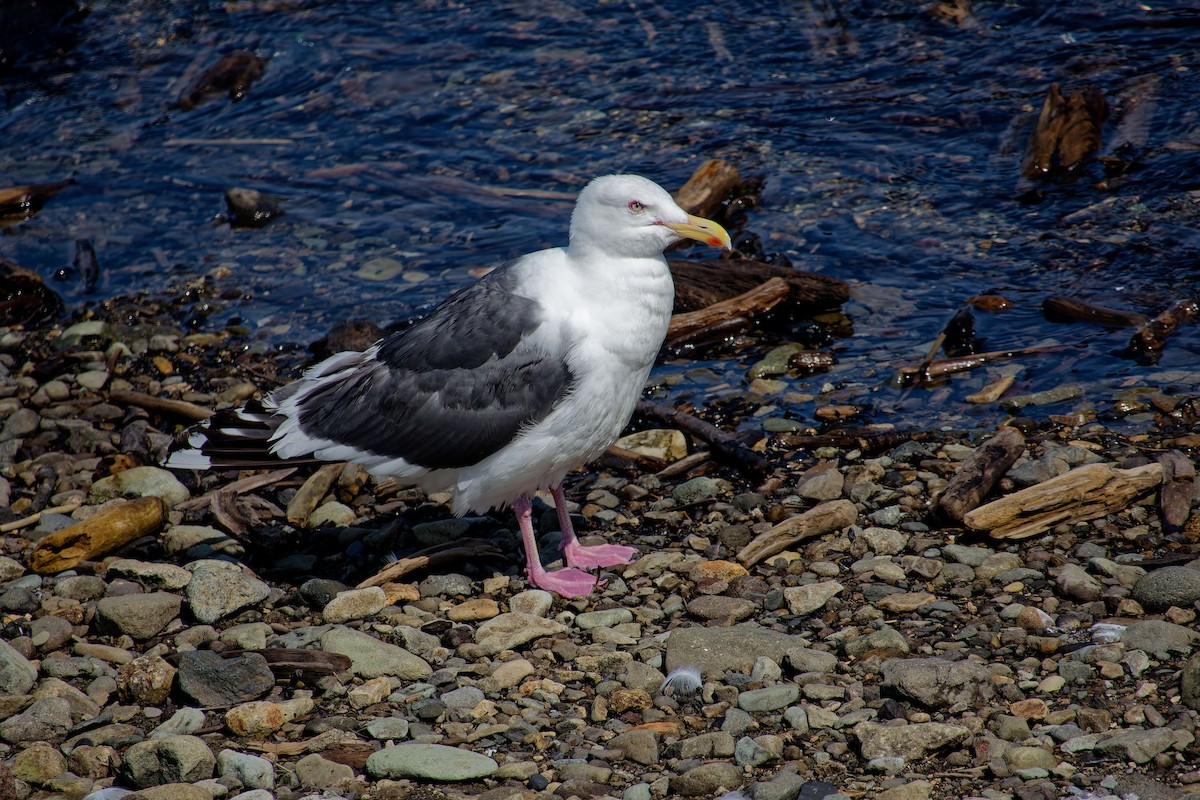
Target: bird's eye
{"x":636,"y":207}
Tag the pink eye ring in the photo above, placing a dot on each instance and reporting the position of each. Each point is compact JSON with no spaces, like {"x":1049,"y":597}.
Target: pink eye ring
{"x":636,"y":206}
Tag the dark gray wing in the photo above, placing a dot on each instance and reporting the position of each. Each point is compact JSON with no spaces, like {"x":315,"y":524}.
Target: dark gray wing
{"x":449,"y":391}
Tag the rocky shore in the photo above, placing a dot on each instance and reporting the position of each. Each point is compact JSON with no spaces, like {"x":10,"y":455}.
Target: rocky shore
{"x":240,"y":642}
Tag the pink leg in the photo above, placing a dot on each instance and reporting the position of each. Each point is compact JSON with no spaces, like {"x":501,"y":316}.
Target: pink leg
{"x":578,"y":555}
{"x":565,"y":582}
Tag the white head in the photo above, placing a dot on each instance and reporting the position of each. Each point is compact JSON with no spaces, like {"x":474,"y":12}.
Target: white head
{"x":631,"y":216}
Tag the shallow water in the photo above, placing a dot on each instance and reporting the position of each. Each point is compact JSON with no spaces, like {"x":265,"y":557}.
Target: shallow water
{"x":446,"y":137}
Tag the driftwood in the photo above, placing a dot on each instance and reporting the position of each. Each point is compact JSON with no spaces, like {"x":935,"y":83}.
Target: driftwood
{"x":1066,"y":134}
{"x":726,"y":316}
{"x":1178,"y":484}
{"x":310,"y":494}
{"x":725,"y":446}
{"x":24,"y":296}
{"x":701,"y":283}
{"x":101,"y":533}
{"x":233,"y":73}
{"x":1068,"y":308}
{"x":817,"y":521}
{"x":707,"y":189}
{"x":1084,"y":493}
{"x":297,"y":660}
{"x":161,"y":405}
{"x":1152,"y":337}
{"x":869,"y":440}
{"x":23,"y":201}
{"x":980,"y":473}
{"x":239,"y":486}
{"x":928,"y":370}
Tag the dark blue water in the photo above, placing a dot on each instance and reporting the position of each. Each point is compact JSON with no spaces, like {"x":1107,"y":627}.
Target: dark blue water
{"x":448,"y":137}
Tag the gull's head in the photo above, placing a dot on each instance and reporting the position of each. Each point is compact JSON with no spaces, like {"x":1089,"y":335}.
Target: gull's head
{"x":631,"y":216}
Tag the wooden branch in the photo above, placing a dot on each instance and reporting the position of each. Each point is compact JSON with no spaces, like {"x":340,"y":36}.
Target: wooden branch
{"x":161,"y":405}
{"x":699,"y":284}
{"x":17,"y":524}
{"x":980,"y":473}
{"x":240,"y":486}
{"x":101,"y":533}
{"x":915,"y":373}
{"x":1152,"y":337}
{"x":1178,"y":485}
{"x":1084,"y":493}
{"x":725,"y":446}
{"x":706,"y":190}
{"x":825,"y":518}
{"x":743,"y":308}
{"x":1068,"y":308}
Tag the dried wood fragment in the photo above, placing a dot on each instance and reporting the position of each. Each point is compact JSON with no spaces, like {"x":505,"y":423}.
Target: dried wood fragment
{"x":1178,"y":486}
{"x":725,"y":446}
{"x":701,"y":283}
{"x":22,"y":202}
{"x":742,"y":309}
{"x":817,"y":521}
{"x":99,"y":534}
{"x":299,"y":660}
{"x":160,"y":405}
{"x":24,"y":296}
{"x":233,"y":73}
{"x":1068,"y":308}
{"x":980,"y":473}
{"x":868,"y":439}
{"x":311,"y":493}
{"x":711,"y":183}
{"x":993,"y":391}
{"x":1152,"y":337}
{"x":1067,"y":132}
{"x":1084,"y":493}
{"x":239,"y":486}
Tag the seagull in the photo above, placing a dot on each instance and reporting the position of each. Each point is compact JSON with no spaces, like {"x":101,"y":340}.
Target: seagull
{"x":504,"y":388}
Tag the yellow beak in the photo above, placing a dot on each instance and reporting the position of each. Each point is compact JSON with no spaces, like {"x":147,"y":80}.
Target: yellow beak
{"x":702,"y":230}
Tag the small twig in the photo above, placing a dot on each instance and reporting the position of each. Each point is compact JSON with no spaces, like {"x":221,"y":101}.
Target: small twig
{"x":684,"y":465}
{"x":465,"y":548}
{"x":240,"y":486}
{"x":65,"y":508}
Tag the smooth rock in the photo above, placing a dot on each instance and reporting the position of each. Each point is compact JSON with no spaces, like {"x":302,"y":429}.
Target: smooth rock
{"x":810,"y":597}
{"x":138,"y":615}
{"x":255,"y":719}
{"x":354,"y":604}
{"x":139,"y":482}
{"x":431,"y":762}
{"x":510,"y":631}
{"x":171,"y":759}
{"x":1168,"y":586}
{"x":17,"y":675}
{"x":151,"y":575}
{"x":907,"y":741}
{"x":706,"y":779}
{"x":251,"y":771}
{"x":45,"y":720}
{"x":715,"y":651}
{"x":772,"y":698}
{"x":316,"y":772}
{"x":640,"y":746}
{"x":1075,"y":583}
{"x":1159,"y":638}
{"x":371,"y":658}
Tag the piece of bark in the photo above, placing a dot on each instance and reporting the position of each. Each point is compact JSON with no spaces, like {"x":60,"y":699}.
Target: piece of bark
{"x":993,"y":391}
{"x":160,"y":405}
{"x":980,"y":473}
{"x":817,"y":521}
{"x":699,"y":284}
{"x":693,"y":325}
{"x":103,"y":532}
{"x":1152,"y":337}
{"x":1068,"y":308}
{"x":311,"y":493}
{"x":1067,"y":132}
{"x":725,"y":446}
{"x":706,"y":190}
{"x":628,"y":458}
{"x":1084,"y":493}
{"x":868,"y":440}
{"x":239,"y":486}
{"x":1178,"y":486}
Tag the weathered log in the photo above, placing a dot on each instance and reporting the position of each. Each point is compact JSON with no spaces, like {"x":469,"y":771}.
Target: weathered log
{"x":311,"y":493}
{"x":727,"y":315}
{"x":817,"y":521}
{"x":1068,"y":308}
{"x":701,"y":283}
{"x":711,"y":183}
{"x":1067,"y":132}
{"x":293,"y":659}
{"x":99,"y":534}
{"x":869,"y":440}
{"x":993,"y":391}
{"x":22,"y":202}
{"x":1084,"y":493}
{"x":725,"y":446}
{"x":24,"y":296}
{"x":1178,"y":485}
{"x":1152,"y":337}
{"x":980,"y":473}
